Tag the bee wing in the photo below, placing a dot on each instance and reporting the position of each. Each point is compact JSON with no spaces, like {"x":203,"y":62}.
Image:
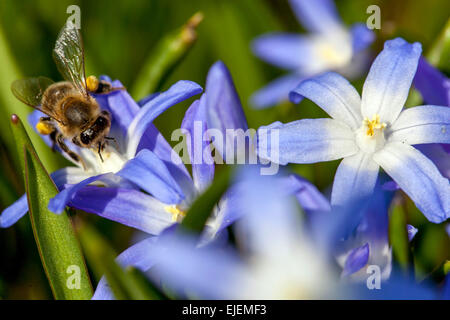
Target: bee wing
{"x":69,"y":57}
{"x":30,"y":92}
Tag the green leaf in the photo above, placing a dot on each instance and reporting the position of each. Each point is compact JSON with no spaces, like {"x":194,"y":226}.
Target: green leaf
{"x":168,"y":53}
{"x":439,"y":54}
{"x":202,"y":207}
{"x":57,"y":244}
{"x":398,"y":235}
{"x":128,"y":284}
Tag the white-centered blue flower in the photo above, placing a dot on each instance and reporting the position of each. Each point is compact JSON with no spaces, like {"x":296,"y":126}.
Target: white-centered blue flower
{"x":330,"y":46}
{"x":370,"y":132}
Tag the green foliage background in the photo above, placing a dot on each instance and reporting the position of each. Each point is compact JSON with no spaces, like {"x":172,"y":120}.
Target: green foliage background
{"x":118,"y":38}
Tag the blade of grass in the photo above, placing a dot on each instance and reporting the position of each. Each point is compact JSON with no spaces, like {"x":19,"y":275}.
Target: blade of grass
{"x":439,"y":54}
{"x":57,"y":244}
{"x":398,"y":236}
{"x":167,"y":55}
{"x":126,"y":284}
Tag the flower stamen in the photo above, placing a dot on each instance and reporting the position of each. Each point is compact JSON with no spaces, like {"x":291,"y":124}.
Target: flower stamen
{"x":373,"y":125}
{"x":177,"y":213}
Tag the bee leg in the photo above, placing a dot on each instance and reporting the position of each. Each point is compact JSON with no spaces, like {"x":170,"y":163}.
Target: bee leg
{"x":100,"y":147}
{"x":115,"y":141}
{"x":45,"y":126}
{"x":60,"y":142}
{"x":53,"y":138}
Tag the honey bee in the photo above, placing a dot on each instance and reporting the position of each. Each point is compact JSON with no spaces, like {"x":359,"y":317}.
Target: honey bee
{"x":72,"y":113}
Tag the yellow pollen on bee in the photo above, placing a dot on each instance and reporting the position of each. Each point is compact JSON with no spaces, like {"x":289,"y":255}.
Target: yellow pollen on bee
{"x":92,"y":83}
{"x":176,"y":212}
{"x":44,"y":128}
{"x":373,"y":125}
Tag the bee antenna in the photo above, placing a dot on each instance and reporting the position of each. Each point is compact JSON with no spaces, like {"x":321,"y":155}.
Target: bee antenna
{"x":100,"y":151}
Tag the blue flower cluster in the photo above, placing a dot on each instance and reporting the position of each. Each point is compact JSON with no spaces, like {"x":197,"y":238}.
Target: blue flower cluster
{"x":297,"y":243}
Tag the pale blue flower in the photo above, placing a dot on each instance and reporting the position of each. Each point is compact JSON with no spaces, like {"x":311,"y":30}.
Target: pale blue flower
{"x":330,"y":46}
{"x":370,"y":132}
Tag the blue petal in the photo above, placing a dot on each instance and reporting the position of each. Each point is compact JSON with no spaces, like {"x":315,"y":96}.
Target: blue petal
{"x":180,"y":91}
{"x":138,"y":255}
{"x":418,"y":177}
{"x":223,"y":107}
{"x":146,"y":99}
{"x":305,"y":141}
{"x":317,"y":15}
{"x":356,"y":260}
{"x":126,"y":206}
{"x":389,"y":80}
{"x":439,"y":156}
{"x":194,"y":122}
{"x":59,"y":202}
{"x":355,"y":177}
{"x":362,"y":37}
{"x":432,"y":84}
{"x":207,"y":272}
{"x":423,"y":124}
{"x":308,"y":196}
{"x":411,"y":231}
{"x":150,"y":173}
{"x":285,"y":50}
{"x":334,"y":94}
{"x":14,"y":212}
{"x":275,"y":92}
{"x":154,"y":141}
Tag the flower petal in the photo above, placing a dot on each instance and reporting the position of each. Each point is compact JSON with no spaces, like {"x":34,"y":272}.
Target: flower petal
{"x":206,"y":271}
{"x":356,"y":259}
{"x":389,"y":80}
{"x":418,"y":177}
{"x":275,"y":92}
{"x":317,"y":15}
{"x":334,"y":94}
{"x":432,"y":84}
{"x":305,"y":141}
{"x":194,"y":122}
{"x":223,"y":106}
{"x":285,"y":50}
{"x":150,"y":173}
{"x":180,"y":91}
{"x":126,"y":206}
{"x":412,"y":231}
{"x":423,"y":124}
{"x":59,"y":202}
{"x":308,"y":196}
{"x":355,"y":178}
{"x":362,"y":37}
{"x":14,"y":212}
{"x":138,"y":255}
{"x":154,"y":141}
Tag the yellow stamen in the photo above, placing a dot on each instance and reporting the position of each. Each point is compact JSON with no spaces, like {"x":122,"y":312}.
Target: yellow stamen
{"x":92,"y":83}
{"x":44,"y":128}
{"x":176,"y":212}
{"x":373,"y":124}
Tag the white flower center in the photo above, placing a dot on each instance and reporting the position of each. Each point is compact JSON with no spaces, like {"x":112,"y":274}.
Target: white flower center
{"x":370,"y":136}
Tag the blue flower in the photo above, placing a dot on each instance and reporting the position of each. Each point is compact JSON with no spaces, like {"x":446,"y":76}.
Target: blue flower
{"x":370,"y":132}
{"x":218,"y":108}
{"x":140,"y":158}
{"x":279,"y":259}
{"x":329,"y":47}
{"x":283,"y":263}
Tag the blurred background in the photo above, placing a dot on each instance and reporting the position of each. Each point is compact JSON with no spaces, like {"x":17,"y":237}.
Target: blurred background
{"x":119,"y":36}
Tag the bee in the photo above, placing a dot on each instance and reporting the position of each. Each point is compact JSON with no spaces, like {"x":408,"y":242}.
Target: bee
{"x":71,"y":112}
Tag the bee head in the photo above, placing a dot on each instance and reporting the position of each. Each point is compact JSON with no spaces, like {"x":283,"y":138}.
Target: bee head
{"x":97,"y":131}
